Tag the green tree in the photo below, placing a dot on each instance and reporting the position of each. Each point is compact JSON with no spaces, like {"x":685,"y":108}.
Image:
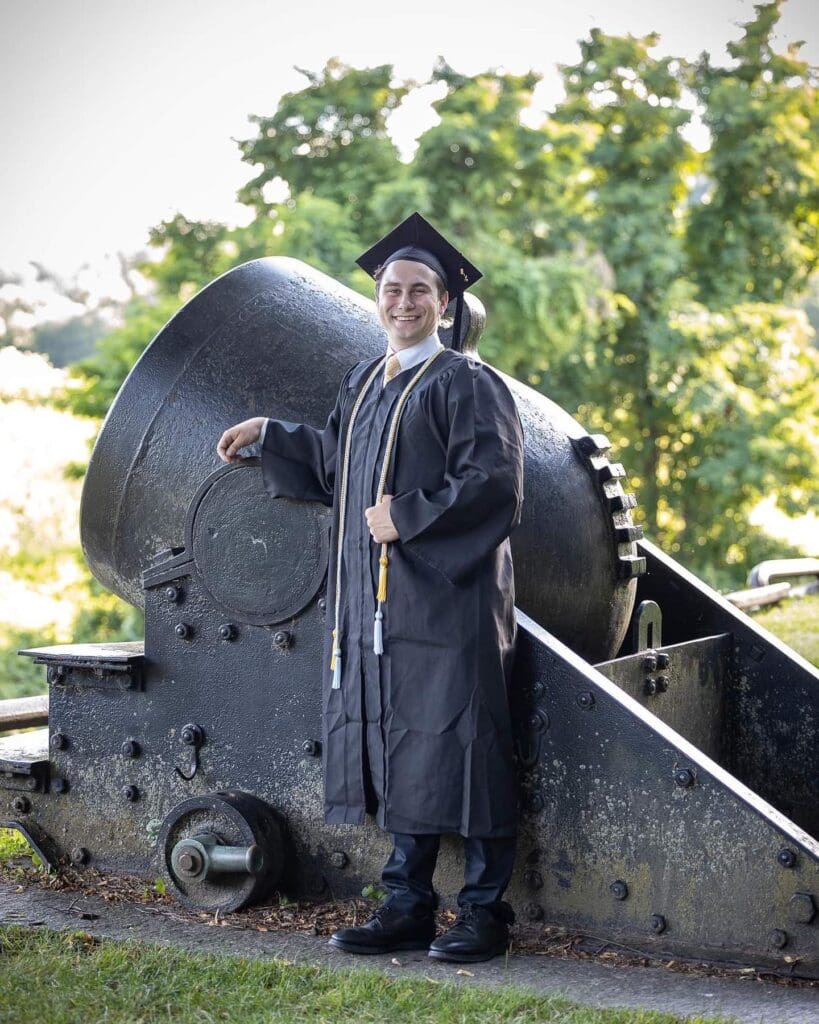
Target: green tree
{"x":754,"y":235}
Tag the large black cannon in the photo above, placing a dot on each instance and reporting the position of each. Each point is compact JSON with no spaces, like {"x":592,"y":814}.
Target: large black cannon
{"x":668,"y":757}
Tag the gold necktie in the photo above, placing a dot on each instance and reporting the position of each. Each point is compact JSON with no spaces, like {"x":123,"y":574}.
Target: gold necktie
{"x":392,"y":368}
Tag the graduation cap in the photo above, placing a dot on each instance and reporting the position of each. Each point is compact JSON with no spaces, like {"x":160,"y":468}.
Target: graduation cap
{"x":416,"y":239}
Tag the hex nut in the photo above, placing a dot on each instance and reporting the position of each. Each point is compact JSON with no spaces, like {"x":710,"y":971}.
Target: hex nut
{"x":662,"y":683}
{"x":586,"y":700}
{"x":282,"y":639}
{"x":684,"y":777}
{"x":662,"y":661}
{"x":55,"y":674}
{"x":650,"y":663}
{"x":619,"y":890}
{"x":312,"y":747}
{"x":533,"y":879}
{"x":802,"y":907}
{"x":787,"y":858}
{"x":59,"y":741}
{"x":533,"y":911}
{"x":650,"y":687}
{"x":131,"y":748}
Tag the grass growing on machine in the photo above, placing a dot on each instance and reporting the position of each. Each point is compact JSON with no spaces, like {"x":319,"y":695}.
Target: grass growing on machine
{"x":68,"y":977}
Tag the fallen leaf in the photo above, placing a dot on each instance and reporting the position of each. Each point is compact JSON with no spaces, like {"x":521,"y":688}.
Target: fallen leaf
{"x":396,"y":962}
{"x":467,"y":974}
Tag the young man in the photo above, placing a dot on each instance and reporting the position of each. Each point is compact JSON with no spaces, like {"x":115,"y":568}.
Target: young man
{"x":422,"y":461}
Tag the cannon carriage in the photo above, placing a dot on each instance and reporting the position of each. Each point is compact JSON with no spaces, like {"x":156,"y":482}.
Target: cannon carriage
{"x":666,"y":746}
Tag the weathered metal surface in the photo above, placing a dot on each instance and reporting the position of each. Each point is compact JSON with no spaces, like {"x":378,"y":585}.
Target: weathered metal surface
{"x":635,"y":835}
{"x":637,"y":823}
{"x":23,"y":712}
{"x":275,"y":337}
{"x":771,"y":705}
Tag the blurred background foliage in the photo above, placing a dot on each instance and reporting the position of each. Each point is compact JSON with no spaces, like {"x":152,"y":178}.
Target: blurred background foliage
{"x":662,"y":295}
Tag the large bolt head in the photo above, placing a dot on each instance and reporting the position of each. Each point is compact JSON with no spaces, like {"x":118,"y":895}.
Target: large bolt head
{"x":189,"y":862}
{"x":802,"y":907}
{"x":777,"y":938}
{"x":338,"y":859}
{"x":658,"y":924}
{"x":130,"y":748}
{"x":21,"y":804}
{"x":684,"y":777}
{"x":59,"y":741}
{"x":80,"y":856}
{"x":130,"y":793}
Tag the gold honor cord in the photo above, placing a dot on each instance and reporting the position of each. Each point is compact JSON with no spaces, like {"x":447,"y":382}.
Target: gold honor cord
{"x":378,"y":647}
{"x":381,"y":596}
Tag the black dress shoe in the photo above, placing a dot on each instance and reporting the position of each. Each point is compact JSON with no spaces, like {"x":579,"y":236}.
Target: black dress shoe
{"x":478,"y":934}
{"x":389,"y":928}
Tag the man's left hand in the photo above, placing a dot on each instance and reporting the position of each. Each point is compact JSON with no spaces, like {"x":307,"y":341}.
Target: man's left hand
{"x":380,"y":523}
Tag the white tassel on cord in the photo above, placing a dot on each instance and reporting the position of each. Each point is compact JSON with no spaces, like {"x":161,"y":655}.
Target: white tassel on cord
{"x":337,"y":669}
{"x":378,"y":635}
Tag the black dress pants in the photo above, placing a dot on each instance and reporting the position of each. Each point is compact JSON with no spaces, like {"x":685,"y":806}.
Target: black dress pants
{"x":407,"y":875}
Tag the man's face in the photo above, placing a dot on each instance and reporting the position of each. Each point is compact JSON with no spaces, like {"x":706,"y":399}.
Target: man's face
{"x":408,"y":302}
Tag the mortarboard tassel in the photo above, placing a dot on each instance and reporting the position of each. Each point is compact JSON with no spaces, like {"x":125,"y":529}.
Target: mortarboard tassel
{"x":378,"y":634}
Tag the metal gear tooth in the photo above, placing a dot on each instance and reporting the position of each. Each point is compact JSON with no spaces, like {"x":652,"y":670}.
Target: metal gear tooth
{"x":611,"y":471}
{"x":628,"y":534}
{"x":593,"y":444}
{"x":621,"y":502}
{"x":630,"y":566}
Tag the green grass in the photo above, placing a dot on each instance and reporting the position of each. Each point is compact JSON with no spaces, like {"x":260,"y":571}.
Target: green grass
{"x":796,"y":622}
{"x":71,"y":978}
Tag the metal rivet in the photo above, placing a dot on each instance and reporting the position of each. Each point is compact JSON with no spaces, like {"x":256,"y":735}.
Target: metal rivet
{"x":533,"y":879}
{"x":183,"y":630}
{"x":312,"y":747}
{"x":21,"y":804}
{"x":60,"y":785}
{"x":339,"y":859}
{"x":658,"y":924}
{"x":533,"y":911}
{"x":227,"y":631}
{"x":173,"y":594}
{"x":282,"y":638}
{"x":586,"y":700}
{"x":619,"y":890}
{"x":80,"y":856}
{"x":59,"y":741}
{"x":130,"y":748}
{"x":787,"y":858}
{"x":322,"y":604}
{"x":777,"y":938}
{"x":684,"y":777}
{"x":131,"y":793}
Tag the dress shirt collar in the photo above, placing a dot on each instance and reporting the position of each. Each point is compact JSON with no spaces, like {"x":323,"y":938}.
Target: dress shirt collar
{"x":417,"y":353}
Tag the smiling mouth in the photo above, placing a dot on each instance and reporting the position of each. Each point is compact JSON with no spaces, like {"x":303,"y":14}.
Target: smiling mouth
{"x":405,"y":318}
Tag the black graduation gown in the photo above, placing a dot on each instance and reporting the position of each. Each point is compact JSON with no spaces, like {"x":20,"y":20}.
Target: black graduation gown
{"x":421,"y":735}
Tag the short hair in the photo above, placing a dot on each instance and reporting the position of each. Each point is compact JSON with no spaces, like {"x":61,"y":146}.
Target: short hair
{"x":439,"y":281}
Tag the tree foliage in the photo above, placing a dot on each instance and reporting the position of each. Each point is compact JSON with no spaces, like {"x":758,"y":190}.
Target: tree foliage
{"x":648,"y":305}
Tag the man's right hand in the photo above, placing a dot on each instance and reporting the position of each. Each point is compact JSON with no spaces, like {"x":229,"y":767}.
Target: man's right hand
{"x":234,"y":438}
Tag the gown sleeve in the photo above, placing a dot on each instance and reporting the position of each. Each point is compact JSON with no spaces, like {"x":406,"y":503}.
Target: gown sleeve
{"x":299,"y":461}
{"x":456,"y":527}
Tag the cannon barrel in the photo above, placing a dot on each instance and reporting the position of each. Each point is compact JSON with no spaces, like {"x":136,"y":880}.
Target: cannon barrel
{"x":274,"y":337}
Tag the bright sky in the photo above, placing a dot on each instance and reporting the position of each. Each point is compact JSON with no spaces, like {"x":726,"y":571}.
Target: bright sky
{"x":114,"y":114}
